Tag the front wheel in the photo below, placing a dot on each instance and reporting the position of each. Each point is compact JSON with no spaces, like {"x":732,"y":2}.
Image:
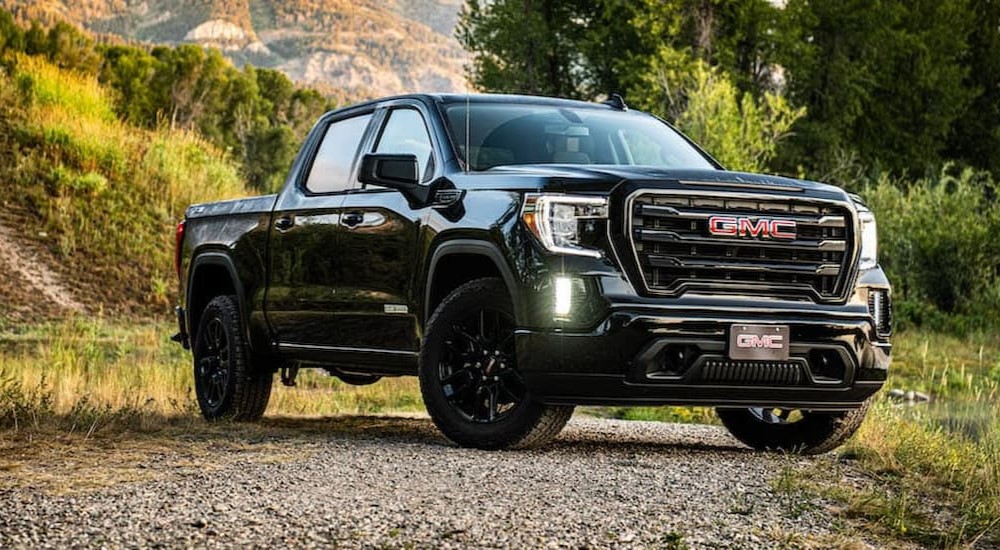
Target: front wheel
{"x":805,"y":432}
{"x":469,"y":377}
{"x":225,"y":382}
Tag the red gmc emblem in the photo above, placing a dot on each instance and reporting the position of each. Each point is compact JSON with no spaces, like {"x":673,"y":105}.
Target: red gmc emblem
{"x":763,"y":228}
{"x":766,"y":341}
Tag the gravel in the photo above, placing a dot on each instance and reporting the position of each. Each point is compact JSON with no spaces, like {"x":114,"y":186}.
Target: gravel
{"x":394,"y":482}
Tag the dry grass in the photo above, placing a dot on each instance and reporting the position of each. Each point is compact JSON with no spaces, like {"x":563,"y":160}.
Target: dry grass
{"x":925,"y":474}
{"x":89,"y":372}
{"x":930,"y":473}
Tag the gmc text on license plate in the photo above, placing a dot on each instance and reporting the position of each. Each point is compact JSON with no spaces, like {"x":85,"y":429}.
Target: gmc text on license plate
{"x":758,"y":342}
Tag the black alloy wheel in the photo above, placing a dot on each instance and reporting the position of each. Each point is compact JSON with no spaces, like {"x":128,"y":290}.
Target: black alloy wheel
{"x":213,"y":364}
{"x":226,"y":382}
{"x":478,"y":371}
{"x":469,"y":377}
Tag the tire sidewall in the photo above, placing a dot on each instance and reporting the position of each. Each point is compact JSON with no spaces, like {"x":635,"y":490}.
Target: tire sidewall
{"x":491,"y":294}
{"x":816,"y":432}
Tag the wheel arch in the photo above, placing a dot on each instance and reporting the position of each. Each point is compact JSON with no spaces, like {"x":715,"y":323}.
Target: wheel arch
{"x":477,"y":259}
{"x":212,"y":274}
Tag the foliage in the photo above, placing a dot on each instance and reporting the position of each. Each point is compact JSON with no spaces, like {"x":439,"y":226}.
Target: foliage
{"x":895,"y":86}
{"x":938,"y":243}
{"x":103,"y":192}
{"x":741,"y":132}
{"x":881,"y":79}
{"x":540,"y":58}
{"x":256,"y":114}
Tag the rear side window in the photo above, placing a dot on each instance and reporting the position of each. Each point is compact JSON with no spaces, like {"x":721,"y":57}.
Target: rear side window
{"x":331,"y":168}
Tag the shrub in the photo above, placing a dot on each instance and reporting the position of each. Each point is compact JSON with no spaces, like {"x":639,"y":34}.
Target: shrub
{"x":938,"y":244}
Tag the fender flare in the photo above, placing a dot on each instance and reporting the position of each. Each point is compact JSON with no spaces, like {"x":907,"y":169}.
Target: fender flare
{"x":479,"y":248}
{"x":216,"y":259}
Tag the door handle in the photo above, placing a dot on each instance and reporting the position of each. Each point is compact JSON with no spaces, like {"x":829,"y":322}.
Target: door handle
{"x":284,"y":223}
{"x":352,"y":219}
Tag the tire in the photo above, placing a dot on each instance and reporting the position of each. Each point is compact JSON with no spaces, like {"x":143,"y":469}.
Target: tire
{"x":812,"y":433}
{"x":469,"y":381}
{"x":226,"y":384}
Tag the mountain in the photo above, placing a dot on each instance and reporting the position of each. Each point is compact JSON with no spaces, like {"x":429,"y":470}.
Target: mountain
{"x":353,"y":49}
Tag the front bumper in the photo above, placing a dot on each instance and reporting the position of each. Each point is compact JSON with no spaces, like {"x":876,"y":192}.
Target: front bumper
{"x":677,"y":356}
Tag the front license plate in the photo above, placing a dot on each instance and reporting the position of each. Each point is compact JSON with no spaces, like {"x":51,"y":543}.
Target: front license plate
{"x":758,"y":342}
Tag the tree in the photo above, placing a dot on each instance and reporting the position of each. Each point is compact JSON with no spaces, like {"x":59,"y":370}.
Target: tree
{"x":741,"y":132}
{"x":976,"y":135}
{"x":881,"y":79}
{"x":525,"y":46}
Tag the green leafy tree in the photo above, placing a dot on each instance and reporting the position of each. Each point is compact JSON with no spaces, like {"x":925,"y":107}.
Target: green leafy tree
{"x":976,"y":135}
{"x":525,"y":46}
{"x":882,"y":80}
{"x":741,"y":132}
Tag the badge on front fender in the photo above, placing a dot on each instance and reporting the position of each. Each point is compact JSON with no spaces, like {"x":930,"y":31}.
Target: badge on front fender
{"x":758,"y":342}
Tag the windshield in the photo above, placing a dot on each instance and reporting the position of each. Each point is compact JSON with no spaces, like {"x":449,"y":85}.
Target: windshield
{"x":508,"y":134}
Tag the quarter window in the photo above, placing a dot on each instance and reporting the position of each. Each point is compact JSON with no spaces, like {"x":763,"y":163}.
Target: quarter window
{"x":406,"y":134}
{"x":331,"y":168}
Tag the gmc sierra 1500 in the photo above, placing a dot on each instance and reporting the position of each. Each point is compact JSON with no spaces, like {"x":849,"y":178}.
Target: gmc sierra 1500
{"x":524,"y":255}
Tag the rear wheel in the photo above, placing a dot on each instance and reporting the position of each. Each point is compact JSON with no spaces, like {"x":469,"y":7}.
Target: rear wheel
{"x":805,"y":432}
{"x":225,"y":382}
{"x":469,"y":377}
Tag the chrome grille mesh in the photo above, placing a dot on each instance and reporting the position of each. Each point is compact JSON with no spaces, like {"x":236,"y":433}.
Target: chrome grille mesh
{"x":675,"y":250}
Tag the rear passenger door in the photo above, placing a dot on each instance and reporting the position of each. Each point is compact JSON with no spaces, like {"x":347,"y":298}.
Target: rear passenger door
{"x":379,"y":244}
{"x":301,"y":303}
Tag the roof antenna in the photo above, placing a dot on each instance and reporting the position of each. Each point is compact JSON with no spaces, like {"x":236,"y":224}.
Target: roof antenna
{"x":468,"y":153}
{"x":617,"y":102}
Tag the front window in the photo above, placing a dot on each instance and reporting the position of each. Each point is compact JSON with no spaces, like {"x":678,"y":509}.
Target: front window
{"x":510,"y":134}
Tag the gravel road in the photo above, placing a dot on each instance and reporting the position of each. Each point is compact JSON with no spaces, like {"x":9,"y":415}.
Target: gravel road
{"x":394,"y":482}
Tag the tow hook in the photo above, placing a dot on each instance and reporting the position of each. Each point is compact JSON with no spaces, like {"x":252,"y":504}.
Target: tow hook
{"x":288,"y":375}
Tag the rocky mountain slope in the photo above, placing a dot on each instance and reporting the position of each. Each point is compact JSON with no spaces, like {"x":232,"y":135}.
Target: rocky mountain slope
{"x":351,"y":48}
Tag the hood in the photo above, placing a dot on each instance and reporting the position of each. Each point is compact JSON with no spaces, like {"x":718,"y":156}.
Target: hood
{"x":603,"y":177}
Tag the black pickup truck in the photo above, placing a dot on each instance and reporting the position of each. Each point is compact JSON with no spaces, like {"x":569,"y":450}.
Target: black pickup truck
{"x":523,"y":255}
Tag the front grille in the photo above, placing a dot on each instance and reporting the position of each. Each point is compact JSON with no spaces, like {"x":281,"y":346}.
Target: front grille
{"x":752,"y":372}
{"x":676,"y":252}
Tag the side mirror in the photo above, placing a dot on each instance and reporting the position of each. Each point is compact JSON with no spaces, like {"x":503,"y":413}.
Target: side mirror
{"x":399,"y":172}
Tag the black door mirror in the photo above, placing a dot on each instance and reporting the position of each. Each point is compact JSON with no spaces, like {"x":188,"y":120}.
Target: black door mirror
{"x":395,"y":171}
{"x":400,"y":172}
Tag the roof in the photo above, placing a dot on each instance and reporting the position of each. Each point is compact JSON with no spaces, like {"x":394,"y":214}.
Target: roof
{"x":451,"y":98}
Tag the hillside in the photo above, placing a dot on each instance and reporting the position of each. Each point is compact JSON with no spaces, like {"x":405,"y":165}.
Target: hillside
{"x":351,"y":48}
{"x":88,"y":202}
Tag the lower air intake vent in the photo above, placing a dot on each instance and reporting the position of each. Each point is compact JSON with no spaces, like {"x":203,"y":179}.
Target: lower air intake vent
{"x":752,"y":372}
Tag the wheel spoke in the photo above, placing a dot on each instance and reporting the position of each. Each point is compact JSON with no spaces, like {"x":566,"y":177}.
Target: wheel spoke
{"x":492,"y":402}
{"x":474,"y":343}
{"x":470,"y":372}
{"x":457,"y":384}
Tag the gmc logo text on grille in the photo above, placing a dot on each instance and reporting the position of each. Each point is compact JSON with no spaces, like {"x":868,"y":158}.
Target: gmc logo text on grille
{"x":767,"y":341}
{"x":764,"y":228}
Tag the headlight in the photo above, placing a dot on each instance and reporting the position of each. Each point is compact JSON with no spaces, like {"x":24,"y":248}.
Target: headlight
{"x":560,"y":221}
{"x":869,"y":238}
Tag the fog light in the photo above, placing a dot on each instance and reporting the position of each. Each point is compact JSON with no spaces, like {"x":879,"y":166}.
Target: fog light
{"x":564,"y":296}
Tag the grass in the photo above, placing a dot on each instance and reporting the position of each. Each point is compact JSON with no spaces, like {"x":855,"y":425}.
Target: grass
{"x":101,"y":191}
{"x":928,"y":474}
{"x":98,"y":377}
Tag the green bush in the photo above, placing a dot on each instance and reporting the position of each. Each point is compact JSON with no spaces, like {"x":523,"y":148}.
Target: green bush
{"x":939,"y":246}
